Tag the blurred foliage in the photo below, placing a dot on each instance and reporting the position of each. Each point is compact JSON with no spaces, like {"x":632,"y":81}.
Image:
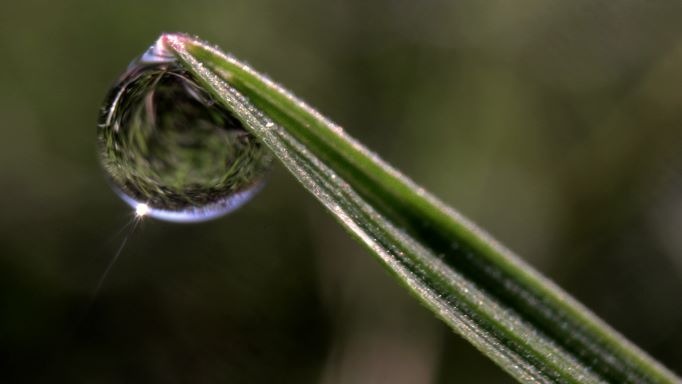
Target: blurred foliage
{"x":554,"y":124}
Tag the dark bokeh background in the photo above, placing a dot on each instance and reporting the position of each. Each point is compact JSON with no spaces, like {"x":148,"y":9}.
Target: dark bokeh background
{"x":556,"y":125}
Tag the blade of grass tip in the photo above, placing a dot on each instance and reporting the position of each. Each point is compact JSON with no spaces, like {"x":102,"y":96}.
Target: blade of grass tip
{"x":521,"y":320}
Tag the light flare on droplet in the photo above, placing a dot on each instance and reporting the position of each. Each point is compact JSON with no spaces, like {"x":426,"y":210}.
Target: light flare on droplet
{"x":141,"y":210}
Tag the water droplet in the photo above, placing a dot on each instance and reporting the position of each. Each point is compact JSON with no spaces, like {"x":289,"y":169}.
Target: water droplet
{"x":169,"y":147}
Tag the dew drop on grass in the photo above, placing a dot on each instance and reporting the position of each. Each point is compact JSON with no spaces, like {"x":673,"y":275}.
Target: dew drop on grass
{"x":168,"y":146}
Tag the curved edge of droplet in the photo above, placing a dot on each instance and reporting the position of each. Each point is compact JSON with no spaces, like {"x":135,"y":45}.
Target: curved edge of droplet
{"x":159,"y":52}
{"x":193,"y":214}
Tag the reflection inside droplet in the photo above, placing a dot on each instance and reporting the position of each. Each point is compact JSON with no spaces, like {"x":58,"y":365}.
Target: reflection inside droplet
{"x":170,"y":151}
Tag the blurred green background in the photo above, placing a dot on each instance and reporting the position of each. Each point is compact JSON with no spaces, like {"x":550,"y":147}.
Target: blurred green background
{"x":556,"y":125}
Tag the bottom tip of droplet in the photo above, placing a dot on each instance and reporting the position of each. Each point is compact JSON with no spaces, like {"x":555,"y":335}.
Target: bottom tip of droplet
{"x":192,"y":214}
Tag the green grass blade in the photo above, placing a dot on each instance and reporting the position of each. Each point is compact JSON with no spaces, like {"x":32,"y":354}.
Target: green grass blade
{"x":521,"y":320}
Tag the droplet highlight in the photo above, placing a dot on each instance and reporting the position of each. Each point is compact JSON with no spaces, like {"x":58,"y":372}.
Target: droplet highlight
{"x":172,"y":152}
